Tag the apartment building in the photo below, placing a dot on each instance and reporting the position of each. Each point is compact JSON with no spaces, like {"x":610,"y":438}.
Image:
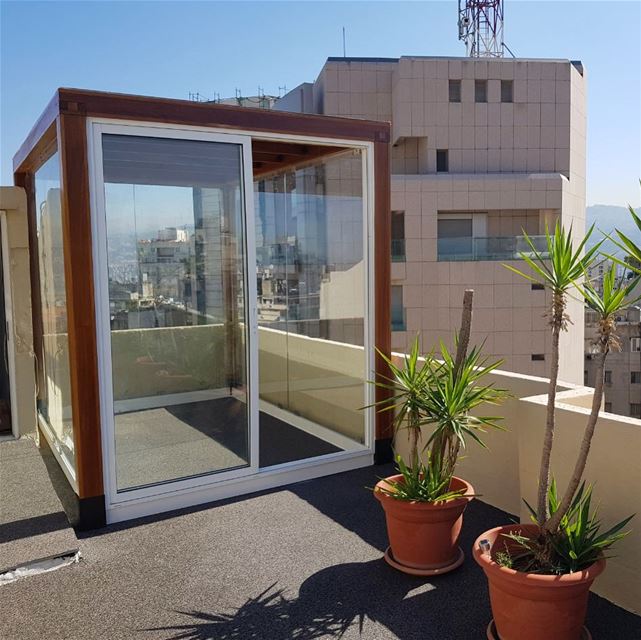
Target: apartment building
{"x":623,"y":367}
{"x":481,"y":150}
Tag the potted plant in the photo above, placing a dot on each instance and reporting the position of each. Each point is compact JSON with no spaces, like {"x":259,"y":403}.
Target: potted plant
{"x":540,"y":574}
{"x":424,"y":501}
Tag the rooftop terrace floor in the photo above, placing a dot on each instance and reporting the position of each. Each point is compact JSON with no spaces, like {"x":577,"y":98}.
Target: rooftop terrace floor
{"x":301,"y":562}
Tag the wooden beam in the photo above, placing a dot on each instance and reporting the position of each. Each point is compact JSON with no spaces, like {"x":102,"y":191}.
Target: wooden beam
{"x":81,"y":316}
{"x":383,"y":278}
{"x":39,"y":142}
{"x":283,"y":148}
{"x":147,"y":108}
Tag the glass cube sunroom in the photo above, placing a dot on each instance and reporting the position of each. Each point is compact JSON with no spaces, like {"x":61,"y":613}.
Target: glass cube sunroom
{"x":208,"y":283}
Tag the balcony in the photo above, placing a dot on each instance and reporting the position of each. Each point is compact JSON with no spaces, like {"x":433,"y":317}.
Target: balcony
{"x":490,"y":248}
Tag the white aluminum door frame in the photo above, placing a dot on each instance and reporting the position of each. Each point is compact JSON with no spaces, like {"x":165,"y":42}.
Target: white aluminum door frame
{"x":95,"y":129}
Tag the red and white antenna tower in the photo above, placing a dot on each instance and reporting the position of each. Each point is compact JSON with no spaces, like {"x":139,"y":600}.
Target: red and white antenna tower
{"x":480,"y":26}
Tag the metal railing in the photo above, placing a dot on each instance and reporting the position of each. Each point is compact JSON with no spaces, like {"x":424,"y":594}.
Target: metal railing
{"x":490,"y":248}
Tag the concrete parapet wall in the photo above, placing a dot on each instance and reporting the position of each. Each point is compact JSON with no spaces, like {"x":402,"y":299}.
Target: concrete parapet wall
{"x":13,"y":203}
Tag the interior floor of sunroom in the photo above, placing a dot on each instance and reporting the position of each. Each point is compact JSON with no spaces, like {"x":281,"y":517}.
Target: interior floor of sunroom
{"x":183,"y":440}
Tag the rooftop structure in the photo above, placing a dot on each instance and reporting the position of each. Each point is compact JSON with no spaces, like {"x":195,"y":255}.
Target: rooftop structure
{"x":248,"y":373}
{"x":195,"y":268}
{"x":480,"y":25}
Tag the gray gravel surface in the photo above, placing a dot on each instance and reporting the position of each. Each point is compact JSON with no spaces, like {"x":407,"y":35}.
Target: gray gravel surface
{"x":301,"y":562}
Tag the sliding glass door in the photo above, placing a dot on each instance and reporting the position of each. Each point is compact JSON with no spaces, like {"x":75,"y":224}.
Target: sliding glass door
{"x":311,"y":300}
{"x":176,"y":323}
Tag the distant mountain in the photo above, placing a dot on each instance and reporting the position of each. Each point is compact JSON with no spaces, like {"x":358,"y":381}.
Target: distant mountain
{"x":606,"y":219}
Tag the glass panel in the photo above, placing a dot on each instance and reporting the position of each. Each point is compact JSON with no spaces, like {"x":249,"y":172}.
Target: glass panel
{"x":491,"y":248}
{"x":455,"y":228}
{"x":398,"y":310}
{"x":506,"y":91}
{"x":311,"y":303}
{"x":455,"y":90}
{"x":442,"y":160}
{"x":480,"y":90}
{"x":54,"y":385}
{"x":176,"y":260}
{"x":398,"y":236}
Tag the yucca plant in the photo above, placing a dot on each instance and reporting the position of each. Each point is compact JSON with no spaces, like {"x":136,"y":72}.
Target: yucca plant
{"x":557,"y":270}
{"x":578,"y":543}
{"x":630,"y":248}
{"x":454,"y":391}
{"x":439,"y":392}
{"x":566,"y":523}
{"x":406,"y":386}
{"x":615,"y":296}
{"x":426,"y":483}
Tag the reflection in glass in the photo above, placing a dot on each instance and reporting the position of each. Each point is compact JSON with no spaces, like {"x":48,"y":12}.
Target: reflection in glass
{"x":311,"y":303}
{"x":176,"y":255}
{"x":54,"y":386}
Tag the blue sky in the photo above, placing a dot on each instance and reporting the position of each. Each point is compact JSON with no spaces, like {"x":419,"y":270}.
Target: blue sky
{"x":173,"y":48}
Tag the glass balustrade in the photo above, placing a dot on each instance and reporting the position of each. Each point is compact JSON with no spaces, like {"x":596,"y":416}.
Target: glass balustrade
{"x":489,"y":248}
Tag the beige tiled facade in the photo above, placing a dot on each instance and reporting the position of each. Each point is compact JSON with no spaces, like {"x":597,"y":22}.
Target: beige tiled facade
{"x":512,"y":165}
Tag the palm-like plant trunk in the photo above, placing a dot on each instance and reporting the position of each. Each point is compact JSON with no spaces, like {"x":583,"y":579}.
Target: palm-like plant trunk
{"x":553,"y":522}
{"x":415,"y":427}
{"x":558,"y":310}
{"x":466,"y":328}
{"x":446,"y":448}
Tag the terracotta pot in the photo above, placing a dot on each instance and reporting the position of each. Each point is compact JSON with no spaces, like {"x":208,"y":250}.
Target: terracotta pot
{"x":424,"y":536}
{"x":528,"y":606}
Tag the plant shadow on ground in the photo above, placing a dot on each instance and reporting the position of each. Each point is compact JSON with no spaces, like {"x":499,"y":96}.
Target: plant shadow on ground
{"x":370,"y":599}
{"x":337,"y":599}
{"x":367,"y":599}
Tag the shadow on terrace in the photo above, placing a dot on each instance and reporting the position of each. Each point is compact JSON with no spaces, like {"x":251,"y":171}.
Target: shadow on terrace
{"x":365,"y":598}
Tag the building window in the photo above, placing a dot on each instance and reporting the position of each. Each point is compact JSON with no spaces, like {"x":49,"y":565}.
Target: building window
{"x":455,"y":90}
{"x":398,"y":236}
{"x":506,"y":91}
{"x":442,"y":163}
{"x":454,"y":238}
{"x":585,"y":377}
{"x":635,"y":377}
{"x":537,"y":287}
{"x":398,"y":311}
{"x":635,"y":344}
{"x":537,"y":357}
{"x":635,"y":410}
{"x":608,"y":407}
{"x":608,"y":377}
{"x":480,"y":90}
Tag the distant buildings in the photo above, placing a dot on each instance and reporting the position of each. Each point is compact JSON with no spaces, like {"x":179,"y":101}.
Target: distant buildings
{"x":158,"y":291}
{"x":164,"y":264}
{"x":623,"y":368}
